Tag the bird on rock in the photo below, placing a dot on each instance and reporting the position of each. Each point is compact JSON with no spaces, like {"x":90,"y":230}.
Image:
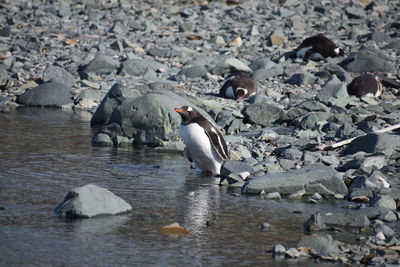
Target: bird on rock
{"x":205,"y":145}
{"x":238,"y":85}
{"x":318,"y":47}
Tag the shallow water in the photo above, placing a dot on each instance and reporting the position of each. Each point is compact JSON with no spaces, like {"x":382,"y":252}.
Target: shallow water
{"x":44,"y":153}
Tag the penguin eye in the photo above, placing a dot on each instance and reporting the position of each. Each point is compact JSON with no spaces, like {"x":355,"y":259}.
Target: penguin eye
{"x":189,"y":109}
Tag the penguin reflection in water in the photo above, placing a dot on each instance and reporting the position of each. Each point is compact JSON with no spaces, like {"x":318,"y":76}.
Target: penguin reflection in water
{"x":205,"y":145}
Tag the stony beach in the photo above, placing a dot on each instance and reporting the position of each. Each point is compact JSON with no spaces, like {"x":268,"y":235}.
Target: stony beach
{"x":130,"y":63}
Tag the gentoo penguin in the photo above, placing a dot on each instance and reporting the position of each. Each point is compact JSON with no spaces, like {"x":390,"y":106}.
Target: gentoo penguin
{"x":318,"y":47}
{"x":365,"y":85}
{"x":238,"y":85}
{"x":205,"y":145}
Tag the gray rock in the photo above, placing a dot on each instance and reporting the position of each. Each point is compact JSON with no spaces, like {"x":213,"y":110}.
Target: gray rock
{"x":312,"y":120}
{"x":91,"y":200}
{"x":355,"y":12}
{"x":304,"y":108}
{"x":323,"y":245}
{"x":318,"y":188}
{"x":333,"y":93}
{"x":341,"y":74}
{"x":265,"y":73}
{"x":386,"y":230}
{"x":315,"y":223}
{"x":372,"y":143}
{"x":149,"y":119}
{"x":371,"y":182}
{"x":88,"y":98}
{"x":378,"y":37}
{"x":194,"y":71}
{"x":115,"y":97}
{"x":227,"y":64}
{"x":263,"y":114}
{"x":235,"y":167}
{"x":368,"y":60}
{"x":292,"y":154}
{"x":159,"y":52}
{"x":384,"y":201}
{"x":301,"y":78}
{"x":273,"y":196}
{"x":137,"y":67}
{"x":292,"y":181}
{"x":57,"y":74}
{"x":102,"y":139}
{"x":101,"y":64}
{"x":51,"y":94}
{"x":122,"y":141}
{"x":292,"y":253}
{"x":349,"y":219}
{"x":388,"y":216}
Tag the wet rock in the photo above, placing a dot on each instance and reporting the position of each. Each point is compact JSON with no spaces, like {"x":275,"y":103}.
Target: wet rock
{"x":101,"y":64}
{"x":324,"y":245}
{"x":315,"y":223}
{"x":373,"y":143}
{"x":263,"y":114}
{"x":368,"y":60}
{"x":91,"y":200}
{"x":102,"y":139}
{"x":115,"y":97}
{"x":292,"y":181}
{"x":57,"y":74}
{"x":235,"y":167}
{"x":292,"y":253}
{"x":373,"y":183}
{"x":149,"y":119}
{"x":334,"y":93}
{"x":272,"y":196}
{"x":349,"y":219}
{"x":51,"y":94}
{"x":384,"y":201}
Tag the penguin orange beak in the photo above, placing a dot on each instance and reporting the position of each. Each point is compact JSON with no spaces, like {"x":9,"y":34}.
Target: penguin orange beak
{"x":179,"y":110}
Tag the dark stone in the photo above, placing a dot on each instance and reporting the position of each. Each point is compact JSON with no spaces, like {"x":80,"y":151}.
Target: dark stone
{"x":51,"y":94}
{"x":57,"y":74}
{"x":373,"y":143}
{"x":315,"y":223}
{"x":115,"y":96}
{"x":263,"y":114}
{"x":368,"y":60}
{"x":101,"y":64}
{"x":232,"y":166}
{"x":289,"y":182}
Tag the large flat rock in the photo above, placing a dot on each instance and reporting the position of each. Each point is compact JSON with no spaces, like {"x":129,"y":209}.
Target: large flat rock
{"x":292,"y":181}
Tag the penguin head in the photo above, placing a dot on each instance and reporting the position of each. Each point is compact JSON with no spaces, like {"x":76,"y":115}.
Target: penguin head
{"x":240,"y":93}
{"x":188,"y":114}
{"x":339,"y":52}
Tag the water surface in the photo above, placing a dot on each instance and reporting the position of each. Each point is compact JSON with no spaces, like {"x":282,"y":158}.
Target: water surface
{"x":45,"y":152}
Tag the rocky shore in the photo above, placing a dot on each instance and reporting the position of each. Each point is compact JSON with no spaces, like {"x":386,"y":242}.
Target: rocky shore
{"x":130,"y":63}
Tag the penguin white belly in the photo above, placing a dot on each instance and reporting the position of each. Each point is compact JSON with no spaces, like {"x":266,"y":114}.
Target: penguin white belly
{"x":199,"y":146}
{"x":229,"y":93}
